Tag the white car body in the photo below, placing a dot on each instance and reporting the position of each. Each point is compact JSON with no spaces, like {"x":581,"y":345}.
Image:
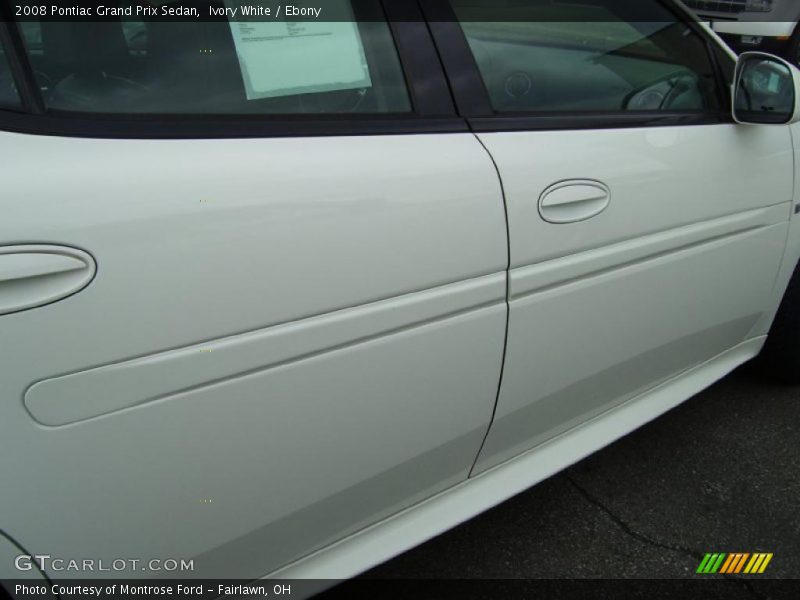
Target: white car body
{"x":774,"y":29}
{"x":298,"y":357}
{"x":747,"y":29}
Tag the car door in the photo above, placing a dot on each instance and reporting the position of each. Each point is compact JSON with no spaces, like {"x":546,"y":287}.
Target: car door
{"x":243,"y":313}
{"x":646,"y":229}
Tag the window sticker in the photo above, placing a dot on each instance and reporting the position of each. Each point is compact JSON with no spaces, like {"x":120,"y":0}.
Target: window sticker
{"x":287,"y":58}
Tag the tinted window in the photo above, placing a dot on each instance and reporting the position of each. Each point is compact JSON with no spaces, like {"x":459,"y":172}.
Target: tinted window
{"x":220,"y":67}
{"x":595,"y":55}
{"x":9,"y":98}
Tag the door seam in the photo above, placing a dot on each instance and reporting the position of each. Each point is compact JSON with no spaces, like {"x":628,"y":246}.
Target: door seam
{"x":507,"y":304}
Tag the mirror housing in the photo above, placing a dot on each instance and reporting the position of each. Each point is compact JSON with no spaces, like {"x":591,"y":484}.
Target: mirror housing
{"x":766,"y":90}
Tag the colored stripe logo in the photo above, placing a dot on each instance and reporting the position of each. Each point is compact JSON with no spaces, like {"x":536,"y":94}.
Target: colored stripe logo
{"x":734,"y":563}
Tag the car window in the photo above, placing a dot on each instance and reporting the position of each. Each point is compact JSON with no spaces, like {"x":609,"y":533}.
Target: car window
{"x":166,"y":66}
{"x":595,"y":55}
{"x":9,"y":96}
{"x":32,"y":34}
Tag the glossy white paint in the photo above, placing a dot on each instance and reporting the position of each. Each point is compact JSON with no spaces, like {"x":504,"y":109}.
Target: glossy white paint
{"x":411,"y":527}
{"x":129,"y":384}
{"x":796,"y":77}
{"x":791,"y":256}
{"x":278,"y":331}
{"x":606,"y":308}
{"x":290,"y":352}
{"x":660,"y":178}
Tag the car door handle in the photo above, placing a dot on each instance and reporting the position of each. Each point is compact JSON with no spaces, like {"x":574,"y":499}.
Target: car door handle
{"x":34,"y":275}
{"x":574,"y":200}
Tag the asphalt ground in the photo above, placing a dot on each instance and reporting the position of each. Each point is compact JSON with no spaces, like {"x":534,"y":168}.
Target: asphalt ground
{"x":720,"y":473}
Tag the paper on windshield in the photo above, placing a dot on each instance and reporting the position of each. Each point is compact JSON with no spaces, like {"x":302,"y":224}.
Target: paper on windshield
{"x":285,"y":58}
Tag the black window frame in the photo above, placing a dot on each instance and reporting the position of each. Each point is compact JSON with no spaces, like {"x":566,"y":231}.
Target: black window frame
{"x":432,"y":106}
{"x":473,"y":99}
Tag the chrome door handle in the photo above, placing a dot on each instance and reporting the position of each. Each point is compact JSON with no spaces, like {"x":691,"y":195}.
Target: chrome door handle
{"x":573,"y":200}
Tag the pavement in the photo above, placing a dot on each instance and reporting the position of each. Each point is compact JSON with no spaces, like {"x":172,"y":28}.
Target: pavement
{"x":720,"y":473}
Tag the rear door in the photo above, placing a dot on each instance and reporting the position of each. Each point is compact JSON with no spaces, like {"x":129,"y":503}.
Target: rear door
{"x":646,"y":229}
{"x":260,"y":313}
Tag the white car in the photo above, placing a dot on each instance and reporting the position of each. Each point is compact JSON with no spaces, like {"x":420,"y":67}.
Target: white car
{"x":284,"y":300}
{"x":764,"y":25}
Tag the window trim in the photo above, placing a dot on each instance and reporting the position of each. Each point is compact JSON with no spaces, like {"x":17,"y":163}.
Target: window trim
{"x":473,"y":100}
{"x":432,"y":107}
{"x":157,"y":127}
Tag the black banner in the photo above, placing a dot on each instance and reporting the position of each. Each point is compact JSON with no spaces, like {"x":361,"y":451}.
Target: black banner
{"x":348,"y":10}
{"x":708,"y":588}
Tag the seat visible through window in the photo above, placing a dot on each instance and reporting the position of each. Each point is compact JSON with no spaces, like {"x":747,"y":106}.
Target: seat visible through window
{"x":165,"y":66}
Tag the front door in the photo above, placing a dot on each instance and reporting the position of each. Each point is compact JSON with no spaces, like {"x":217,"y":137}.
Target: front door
{"x":646,"y":229}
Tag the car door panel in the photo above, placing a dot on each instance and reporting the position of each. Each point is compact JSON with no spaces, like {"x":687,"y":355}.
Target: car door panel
{"x":285,"y":340}
{"x":604,"y":309}
{"x":640,"y":322}
{"x":660,"y":178}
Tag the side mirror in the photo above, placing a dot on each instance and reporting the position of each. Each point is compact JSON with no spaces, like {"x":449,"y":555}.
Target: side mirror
{"x":766,"y":90}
